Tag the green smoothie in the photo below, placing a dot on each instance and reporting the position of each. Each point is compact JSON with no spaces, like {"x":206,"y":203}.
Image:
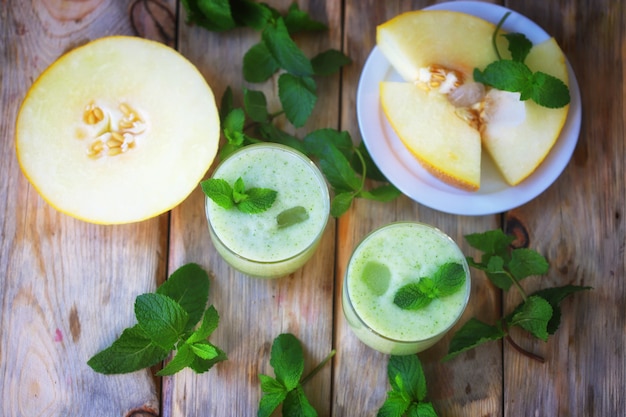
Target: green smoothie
{"x":387,"y":260}
{"x":254,"y":243}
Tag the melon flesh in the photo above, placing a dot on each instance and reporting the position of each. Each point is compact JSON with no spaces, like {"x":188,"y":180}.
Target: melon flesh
{"x":446,"y":145}
{"x":146,"y":93}
{"x":518,"y":150}
{"x":424,"y":43}
{"x":415,"y":40}
{"x":424,"y":119}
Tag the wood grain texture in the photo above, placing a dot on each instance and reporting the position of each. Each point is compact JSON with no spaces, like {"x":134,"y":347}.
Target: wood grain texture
{"x":253,"y":311}
{"x":470,"y":384}
{"x":68,"y":287}
{"x":578,"y":224}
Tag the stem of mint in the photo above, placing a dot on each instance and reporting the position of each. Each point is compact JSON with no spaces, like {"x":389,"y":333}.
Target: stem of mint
{"x":318,"y":367}
{"x":494,"y":37}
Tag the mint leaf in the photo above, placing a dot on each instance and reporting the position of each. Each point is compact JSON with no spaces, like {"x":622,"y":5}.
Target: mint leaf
{"x":297,"y":96}
{"x":448,"y":278}
{"x":383,"y":193}
{"x":132,"y":351}
{"x":497,"y":274}
{"x":291,"y":216}
{"x":506,"y":75}
{"x":473,"y":333}
{"x":341,"y":203}
{"x":297,"y":404}
{"x":273,"y":134}
{"x":554,"y":296}
{"x":411,"y":297}
{"x":395,"y":405}
{"x":519,"y":46}
{"x":250,"y":201}
{"x":407,"y":369}
{"x":251,"y":14}
{"x":285,"y":51}
{"x":226,"y":104}
{"x":329,"y":62}
{"x":200,"y":365}
{"x":255,"y":104}
{"x":258,"y":200}
{"x":423,"y":410}
{"x":189,"y":287}
{"x":298,"y":20}
{"x":338,"y":170}
{"x":287,"y":359}
{"x":549,"y":91}
{"x":526,"y":262}
{"x":408,"y":383}
{"x":239,"y":191}
{"x":492,"y":242}
{"x":204,"y":350}
{"x":259,"y":64}
{"x":183,"y":358}
{"x":513,"y":75}
{"x":274,"y":393}
{"x":210,"y":322}
{"x":233,"y":123}
{"x":219,"y":191}
{"x":318,"y":140}
{"x":534,"y":317}
{"x":162,"y":319}
{"x":211,"y":14}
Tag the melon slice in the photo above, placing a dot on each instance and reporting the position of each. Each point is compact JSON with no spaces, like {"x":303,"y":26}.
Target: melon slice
{"x":437,"y":51}
{"x":446,"y":145}
{"x":518,"y":149}
{"x":119,"y":130}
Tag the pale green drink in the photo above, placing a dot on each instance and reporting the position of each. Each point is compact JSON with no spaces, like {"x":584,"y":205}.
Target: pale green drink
{"x":253,"y":243}
{"x":385,"y":261}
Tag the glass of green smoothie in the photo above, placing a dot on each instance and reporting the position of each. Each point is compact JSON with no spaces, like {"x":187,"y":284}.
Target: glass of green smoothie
{"x":279,"y":240}
{"x":406,"y":285}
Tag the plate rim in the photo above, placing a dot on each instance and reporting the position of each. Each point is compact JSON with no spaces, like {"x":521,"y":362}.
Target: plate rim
{"x":446,"y":198}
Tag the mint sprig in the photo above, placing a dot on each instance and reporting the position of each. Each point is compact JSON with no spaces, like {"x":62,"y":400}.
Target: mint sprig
{"x":448,"y":278}
{"x":250,"y":201}
{"x":515,"y":76}
{"x":165,"y":322}
{"x":287,"y":360}
{"x":347,"y":167}
{"x":538,"y":314}
{"x":408,"y":389}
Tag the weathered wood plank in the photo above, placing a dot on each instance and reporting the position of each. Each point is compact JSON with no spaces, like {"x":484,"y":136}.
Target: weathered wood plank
{"x":468,"y":385}
{"x":68,"y":287}
{"x":578,"y":225}
{"x":252,"y":311}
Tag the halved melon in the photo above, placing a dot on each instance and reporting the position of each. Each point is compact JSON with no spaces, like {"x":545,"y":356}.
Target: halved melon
{"x":119,"y":130}
{"x":436,"y":51}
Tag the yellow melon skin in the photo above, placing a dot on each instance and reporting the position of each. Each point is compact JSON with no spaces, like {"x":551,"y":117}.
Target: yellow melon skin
{"x":167,"y":152}
{"x":427,"y":124}
{"x":518,"y":150}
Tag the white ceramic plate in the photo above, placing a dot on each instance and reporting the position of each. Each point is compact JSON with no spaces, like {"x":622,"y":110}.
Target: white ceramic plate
{"x":402,"y":169}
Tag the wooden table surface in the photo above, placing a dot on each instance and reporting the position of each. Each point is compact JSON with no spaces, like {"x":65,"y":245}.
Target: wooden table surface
{"x":67,"y":287}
